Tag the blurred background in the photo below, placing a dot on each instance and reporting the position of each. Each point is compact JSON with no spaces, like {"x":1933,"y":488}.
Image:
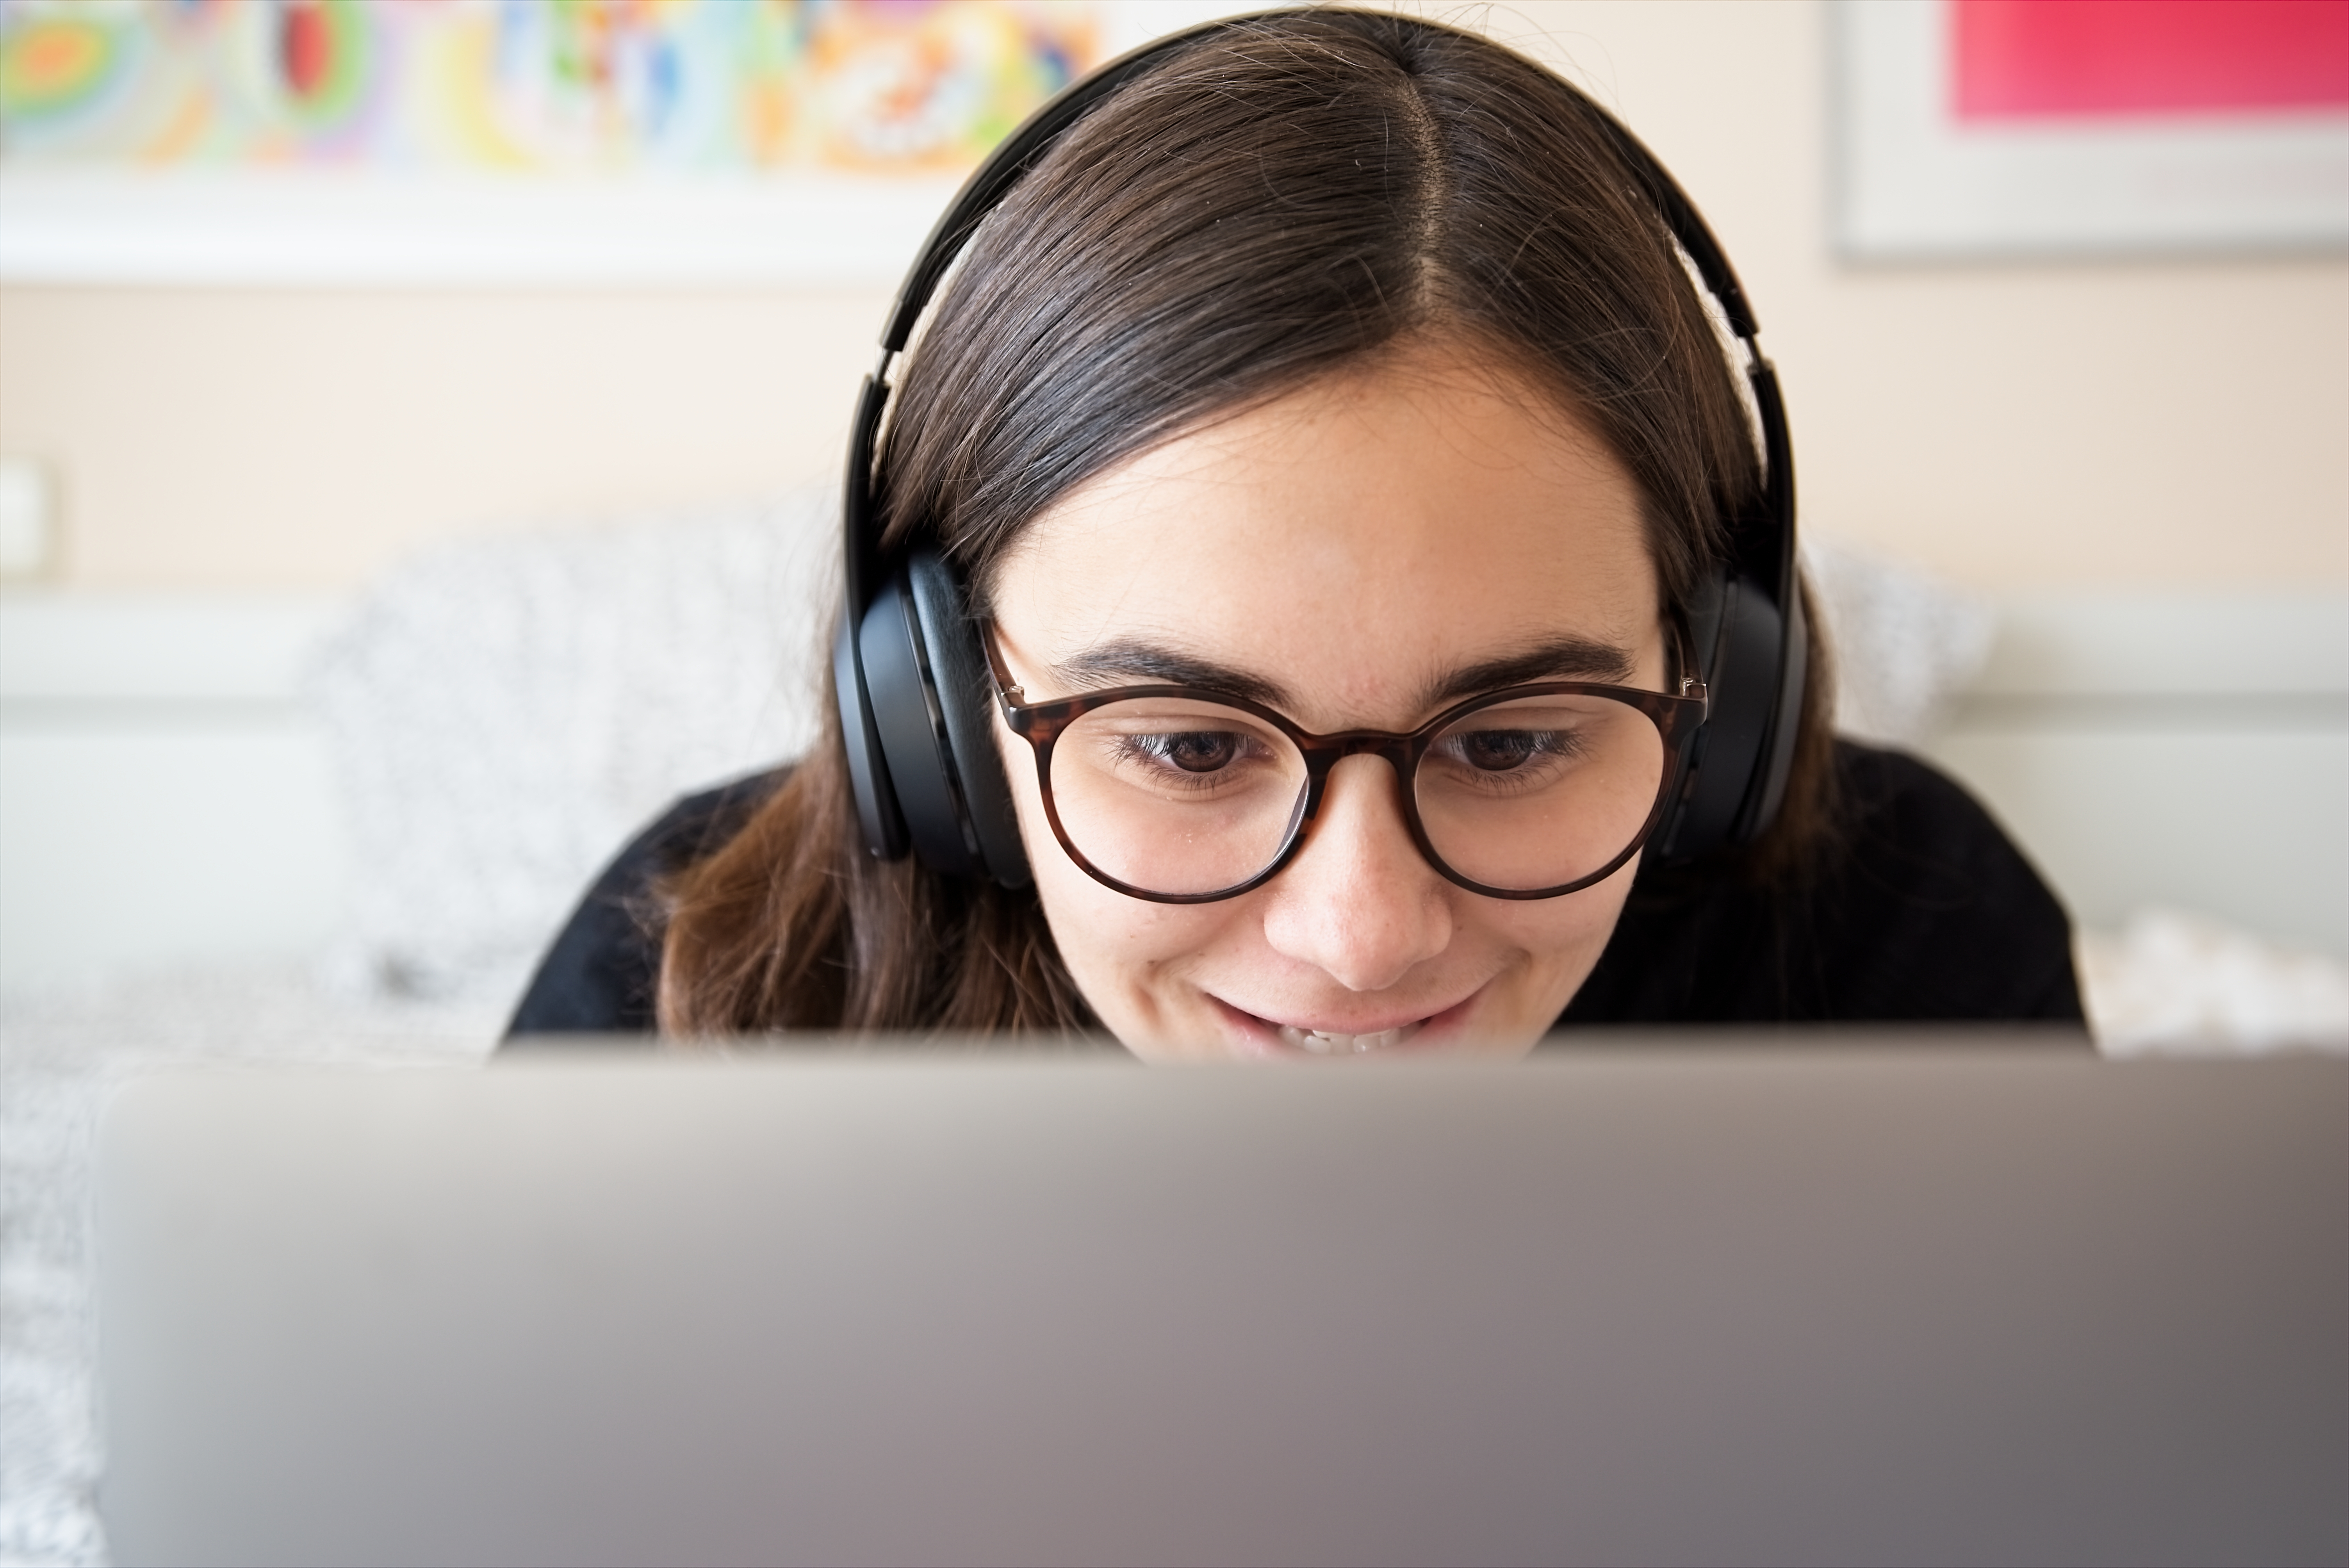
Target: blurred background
{"x":417,"y":426}
{"x":392,"y":396}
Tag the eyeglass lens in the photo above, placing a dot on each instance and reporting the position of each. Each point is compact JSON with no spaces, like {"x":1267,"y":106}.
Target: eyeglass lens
{"x":1183,"y":797}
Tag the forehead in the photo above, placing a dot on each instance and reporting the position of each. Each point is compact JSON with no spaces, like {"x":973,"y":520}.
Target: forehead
{"x":1352,"y":542}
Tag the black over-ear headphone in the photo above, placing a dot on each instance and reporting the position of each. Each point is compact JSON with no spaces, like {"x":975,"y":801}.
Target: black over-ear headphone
{"x":911,"y":680}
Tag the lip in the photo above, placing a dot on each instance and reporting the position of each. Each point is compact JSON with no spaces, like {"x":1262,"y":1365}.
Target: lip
{"x":1261,"y":1038}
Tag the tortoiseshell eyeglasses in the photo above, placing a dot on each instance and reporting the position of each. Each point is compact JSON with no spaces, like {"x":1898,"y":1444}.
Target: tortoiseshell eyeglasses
{"x":1181,"y":795}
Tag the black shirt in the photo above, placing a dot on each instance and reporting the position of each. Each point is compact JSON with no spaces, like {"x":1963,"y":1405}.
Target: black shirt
{"x":1924,"y":911}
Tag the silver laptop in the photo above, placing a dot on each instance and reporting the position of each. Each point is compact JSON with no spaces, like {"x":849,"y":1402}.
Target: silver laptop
{"x":1653,"y":1304}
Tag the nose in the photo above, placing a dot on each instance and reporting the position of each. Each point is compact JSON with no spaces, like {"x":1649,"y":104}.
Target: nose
{"x":1359,"y":901}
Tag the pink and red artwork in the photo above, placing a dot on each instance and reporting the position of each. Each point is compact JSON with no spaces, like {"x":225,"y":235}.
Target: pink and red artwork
{"x":2028,"y":59}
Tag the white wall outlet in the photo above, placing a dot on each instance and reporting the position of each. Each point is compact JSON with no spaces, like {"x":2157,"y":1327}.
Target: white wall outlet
{"x":28,"y":520}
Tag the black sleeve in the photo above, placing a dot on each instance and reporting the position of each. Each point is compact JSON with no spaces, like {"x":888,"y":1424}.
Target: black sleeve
{"x":599,"y":976}
{"x":1922,"y":909}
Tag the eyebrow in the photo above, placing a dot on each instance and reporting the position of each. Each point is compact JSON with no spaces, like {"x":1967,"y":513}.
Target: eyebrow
{"x":1556,"y":658}
{"x":1130,"y":661}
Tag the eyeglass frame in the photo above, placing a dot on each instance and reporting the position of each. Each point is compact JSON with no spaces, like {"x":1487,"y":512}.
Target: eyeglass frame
{"x":1677,"y":719}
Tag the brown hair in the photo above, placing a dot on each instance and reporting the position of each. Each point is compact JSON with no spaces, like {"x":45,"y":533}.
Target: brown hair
{"x":1289,"y":196}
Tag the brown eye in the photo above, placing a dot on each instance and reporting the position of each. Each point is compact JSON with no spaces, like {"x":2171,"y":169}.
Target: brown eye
{"x":1497,"y":751}
{"x":1197,"y":751}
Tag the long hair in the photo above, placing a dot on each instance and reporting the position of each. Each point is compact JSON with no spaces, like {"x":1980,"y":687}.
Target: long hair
{"x":1299,"y":194}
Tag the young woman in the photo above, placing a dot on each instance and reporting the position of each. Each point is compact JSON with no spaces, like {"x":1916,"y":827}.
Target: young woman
{"x":1338,"y":480}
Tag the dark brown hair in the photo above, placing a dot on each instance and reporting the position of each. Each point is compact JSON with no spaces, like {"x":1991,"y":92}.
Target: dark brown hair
{"x":1289,"y":196}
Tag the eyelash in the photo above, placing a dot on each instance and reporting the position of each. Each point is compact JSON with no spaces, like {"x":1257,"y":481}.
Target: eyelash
{"x":1153,"y":748}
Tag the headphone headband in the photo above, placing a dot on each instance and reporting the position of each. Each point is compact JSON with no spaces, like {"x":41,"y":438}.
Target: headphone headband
{"x":984,"y":190}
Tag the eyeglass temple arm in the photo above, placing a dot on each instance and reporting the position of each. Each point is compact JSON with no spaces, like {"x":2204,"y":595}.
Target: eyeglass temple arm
{"x":1683,"y":666}
{"x":1007,"y":691}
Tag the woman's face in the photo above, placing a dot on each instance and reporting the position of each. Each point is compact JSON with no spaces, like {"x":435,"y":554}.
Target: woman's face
{"x":1350,"y":549}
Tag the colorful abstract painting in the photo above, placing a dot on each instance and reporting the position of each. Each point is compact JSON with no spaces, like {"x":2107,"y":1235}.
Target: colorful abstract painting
{"x":514,"y":142}
{"x":551,"y":86}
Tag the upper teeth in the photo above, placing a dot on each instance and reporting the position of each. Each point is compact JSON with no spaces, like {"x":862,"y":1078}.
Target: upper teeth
{"x":1328,"y":1044}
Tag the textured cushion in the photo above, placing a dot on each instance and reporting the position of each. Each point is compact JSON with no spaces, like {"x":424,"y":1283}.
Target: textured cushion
{"x":506,"y":709}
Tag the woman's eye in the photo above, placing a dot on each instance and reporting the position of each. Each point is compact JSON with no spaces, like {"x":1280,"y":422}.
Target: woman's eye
{"x":1499,"y":750}
{"x":1192,"y":752}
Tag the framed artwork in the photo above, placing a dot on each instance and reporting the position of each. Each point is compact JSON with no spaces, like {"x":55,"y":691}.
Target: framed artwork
{"x":2022,"y":128}
{"x":406,"y":142}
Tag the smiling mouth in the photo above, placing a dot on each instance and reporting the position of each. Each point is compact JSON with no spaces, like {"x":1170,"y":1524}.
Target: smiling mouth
{"x":1329,"y":1044}
{"x":1437,"y":1029}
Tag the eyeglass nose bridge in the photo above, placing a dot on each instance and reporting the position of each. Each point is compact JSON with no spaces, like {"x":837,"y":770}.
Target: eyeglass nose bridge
{"x":1321,"y":759}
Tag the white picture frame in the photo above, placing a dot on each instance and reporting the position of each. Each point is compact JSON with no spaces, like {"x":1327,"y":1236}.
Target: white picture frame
{"x":1912,"y":184}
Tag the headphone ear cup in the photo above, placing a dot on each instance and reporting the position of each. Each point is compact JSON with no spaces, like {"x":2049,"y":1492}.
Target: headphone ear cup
{"x":1785,"y":722}
{"x":965,"y":691}
{"x":878,"y":818}
{"x":906,"y":716}
{"x":883,"y":825}
{"x":1744,"y":676}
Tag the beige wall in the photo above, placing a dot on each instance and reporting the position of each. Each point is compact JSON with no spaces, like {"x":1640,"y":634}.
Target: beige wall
{"x":239,"y":437}
{"x":2015,"y":425}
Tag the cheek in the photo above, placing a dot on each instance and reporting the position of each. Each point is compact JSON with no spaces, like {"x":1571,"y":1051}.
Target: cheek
{"x":1122,"y":952}
{"x":1558,"y":927}
{"x":1101,"y":932}
{"x":1561,"y":939}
